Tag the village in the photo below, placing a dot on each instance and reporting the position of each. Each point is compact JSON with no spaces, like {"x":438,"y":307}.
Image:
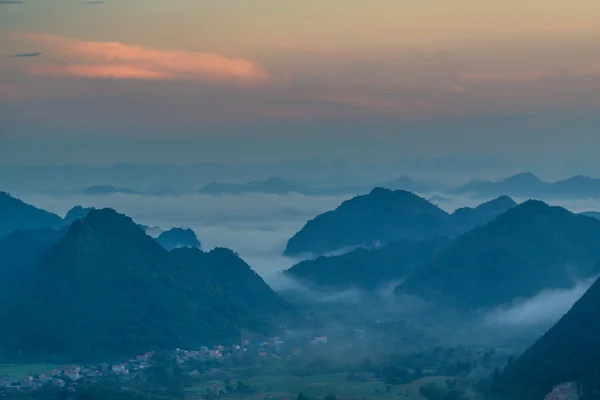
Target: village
{"x":126,"y":371}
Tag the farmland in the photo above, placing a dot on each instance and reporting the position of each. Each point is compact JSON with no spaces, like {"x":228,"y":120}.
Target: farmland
{"x":289,"y":386}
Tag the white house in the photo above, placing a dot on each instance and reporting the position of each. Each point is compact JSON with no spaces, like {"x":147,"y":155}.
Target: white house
{"x":72,"y":374}
{"x":120,"y":369}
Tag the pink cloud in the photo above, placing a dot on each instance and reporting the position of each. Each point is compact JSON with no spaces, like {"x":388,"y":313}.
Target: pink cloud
{"x":122,"y":61}
{"x":458,"y":89}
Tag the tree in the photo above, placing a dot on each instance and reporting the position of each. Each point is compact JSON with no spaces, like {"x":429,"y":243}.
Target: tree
{"x":366,"y":365}
{"x":432,"y":392}
{"x":165,"y":376}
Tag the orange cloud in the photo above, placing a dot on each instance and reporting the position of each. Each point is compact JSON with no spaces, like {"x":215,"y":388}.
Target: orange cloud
{"x":121,"y":61}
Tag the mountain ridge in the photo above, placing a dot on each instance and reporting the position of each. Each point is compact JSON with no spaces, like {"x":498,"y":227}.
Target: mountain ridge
{"x":526,"y":184}
{"x":107,"y":289}
{"x":15,"y":214}
{"x":498,"y":263}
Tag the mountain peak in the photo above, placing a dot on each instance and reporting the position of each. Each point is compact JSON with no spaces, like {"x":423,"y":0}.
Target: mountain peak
{"x":130,"y":295}
{"x":523,"y":177}
{"x":379,"y":191}
{"x":77,"y":212}
{"x":107,"y":216}
{"x":503,"y":201}
{"x":178,"y":237}
{"x":382,"y":215}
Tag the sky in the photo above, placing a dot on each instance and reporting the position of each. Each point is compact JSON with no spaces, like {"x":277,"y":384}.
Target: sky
{"x":267,"y":80}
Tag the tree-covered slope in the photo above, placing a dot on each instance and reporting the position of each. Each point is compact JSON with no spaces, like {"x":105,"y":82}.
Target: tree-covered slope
{"x":466,"y":218}
{"x":525,"y":250}
{"x":381,"y":216}
{"x":18,"y":215}
{"x":235,"y":279}
{"x":77,"y":212}
{"x":106,"y":289}
{"x":568,"y":352}
{"x":368,"y":268}
{"x":20,"y":252}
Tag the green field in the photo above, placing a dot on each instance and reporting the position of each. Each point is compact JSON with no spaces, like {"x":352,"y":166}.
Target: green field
{"x":287,"y":386}
{"x":15,"y":371}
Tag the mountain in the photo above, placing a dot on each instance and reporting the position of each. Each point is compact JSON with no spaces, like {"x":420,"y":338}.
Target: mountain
{"x":107,"y":290}
{"x":523,"y":184}
{"x":273,"y":185}
{"x":106,"y":189}
{"x":527,"y":249}
{"x":236,"y":280}
{"x":465,"y":219}
{"x":77,"y":212}
{"x":577,"y":186}
{"x":153,"y":231}
{"x":568,"y":352}
{"x":529,"y":185}
{"x":16,"y":214}
{"x":178,"y":237}
{"x":20,"y":252}
{"x":368,"y":268}
{"x":593,"y":214}
{"x":381,"y":216}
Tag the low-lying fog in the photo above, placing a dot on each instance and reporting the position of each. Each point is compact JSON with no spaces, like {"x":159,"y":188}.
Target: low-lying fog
{"x":257,"y":226}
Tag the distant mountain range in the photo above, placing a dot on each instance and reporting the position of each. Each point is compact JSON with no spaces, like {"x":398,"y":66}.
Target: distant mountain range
{"x":273,"y":185}
{"x":277,"y":185}
{"x":384,"y":216}
{"x":529,"y":248}
{"x":528,"y":185}
{"x":106,"y":289}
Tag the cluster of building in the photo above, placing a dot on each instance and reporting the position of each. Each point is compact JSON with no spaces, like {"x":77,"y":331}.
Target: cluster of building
{"x":272,"y":347}
{"x":67,"y":375}
{"x":134,"y":367}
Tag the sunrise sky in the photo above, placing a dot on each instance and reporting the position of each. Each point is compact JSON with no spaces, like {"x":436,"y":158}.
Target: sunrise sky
{"x":251,"y":80}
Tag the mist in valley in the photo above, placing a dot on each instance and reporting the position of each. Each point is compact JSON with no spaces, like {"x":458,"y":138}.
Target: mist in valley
{"x":257,"y":227}
{"x":376,"y":324}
